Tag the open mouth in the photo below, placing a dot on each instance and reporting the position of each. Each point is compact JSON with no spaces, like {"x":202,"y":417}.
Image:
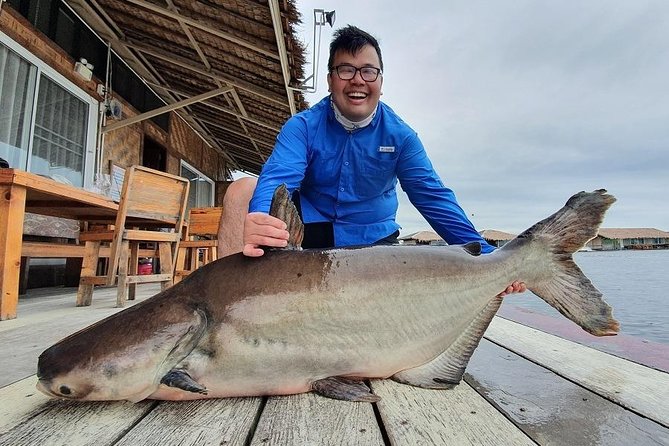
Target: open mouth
{"x":357,"y":95}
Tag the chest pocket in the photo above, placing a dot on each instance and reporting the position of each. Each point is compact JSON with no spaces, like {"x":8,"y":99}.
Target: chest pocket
{"x":377,"y":173}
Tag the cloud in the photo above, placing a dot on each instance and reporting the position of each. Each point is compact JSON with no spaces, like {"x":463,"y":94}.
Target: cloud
{"x":521,"y":104}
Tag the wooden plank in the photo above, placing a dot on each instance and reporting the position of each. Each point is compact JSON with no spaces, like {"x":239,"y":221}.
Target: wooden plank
{"x":459,"y":416}
{"x":639,"y":388}
{"x":146,"y":278}
{"x":33,"y":419}
{"x":45,"y":320}
{"x":152,"y":236}
{"x":51,"y":250}
{"x":62,"y":250}
{"x":205,"y":422}
{"x":553,"y":410}
{"x":19,"y":402}
{"x":314,"y":420}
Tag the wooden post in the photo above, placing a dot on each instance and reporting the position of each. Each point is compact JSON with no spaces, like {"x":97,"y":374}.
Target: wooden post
{"x":12,"y":211}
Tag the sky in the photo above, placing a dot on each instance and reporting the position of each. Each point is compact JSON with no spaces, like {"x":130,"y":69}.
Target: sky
{"x":522,"y":103}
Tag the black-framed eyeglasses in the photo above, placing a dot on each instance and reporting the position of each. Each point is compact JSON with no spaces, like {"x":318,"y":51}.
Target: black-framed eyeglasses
{"x":347,"y":72}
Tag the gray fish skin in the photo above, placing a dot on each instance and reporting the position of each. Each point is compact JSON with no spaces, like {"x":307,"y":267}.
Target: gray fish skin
{"x":277,"y":324}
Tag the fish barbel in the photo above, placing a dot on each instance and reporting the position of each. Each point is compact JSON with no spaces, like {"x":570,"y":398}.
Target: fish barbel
{"x":294,"y":321}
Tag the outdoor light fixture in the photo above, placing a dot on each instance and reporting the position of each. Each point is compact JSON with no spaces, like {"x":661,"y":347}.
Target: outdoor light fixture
{"x":84,"y":69}
{"x":321,"y":18}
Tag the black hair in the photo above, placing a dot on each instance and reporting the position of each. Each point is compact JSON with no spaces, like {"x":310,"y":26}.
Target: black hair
{"x":351,"y":39}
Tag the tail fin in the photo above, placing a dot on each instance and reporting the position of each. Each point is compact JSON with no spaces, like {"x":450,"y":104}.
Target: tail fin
{"x":566,"y":288}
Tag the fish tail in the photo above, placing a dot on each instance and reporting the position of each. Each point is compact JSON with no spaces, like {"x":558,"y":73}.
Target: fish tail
{"x":560,"y":282}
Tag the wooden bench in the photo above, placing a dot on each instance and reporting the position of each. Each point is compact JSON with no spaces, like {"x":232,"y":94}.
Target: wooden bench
{"x":74,"y":253}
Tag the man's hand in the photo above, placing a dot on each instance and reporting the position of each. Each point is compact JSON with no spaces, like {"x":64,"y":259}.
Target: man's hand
{"x":262,"y":229}
{"x":515,"y":287}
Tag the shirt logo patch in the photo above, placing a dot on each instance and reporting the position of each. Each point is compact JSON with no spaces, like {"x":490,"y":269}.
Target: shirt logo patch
{"x":387,"y":149}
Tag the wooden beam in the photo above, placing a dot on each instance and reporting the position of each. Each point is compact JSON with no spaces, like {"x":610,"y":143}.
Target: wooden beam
{"x":164,"y":109}
{"x":204,"y":27}
{"x":255,"y":121}
{"x":214,"y":74}
{"x":283,"y":57}
{"x":235,"y":132}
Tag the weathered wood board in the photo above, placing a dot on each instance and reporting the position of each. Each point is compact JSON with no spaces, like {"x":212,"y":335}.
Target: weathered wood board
{"x":460,"y":416}
{"x":313,"y":419}
{"x":639,"y":388}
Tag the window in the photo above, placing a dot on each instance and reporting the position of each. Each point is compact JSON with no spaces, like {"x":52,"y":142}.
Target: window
{"x":201,"y":193}
{"x":47,"y":124}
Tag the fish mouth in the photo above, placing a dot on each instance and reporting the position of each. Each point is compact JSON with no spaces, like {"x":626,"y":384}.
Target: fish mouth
{"x":45,"y":386}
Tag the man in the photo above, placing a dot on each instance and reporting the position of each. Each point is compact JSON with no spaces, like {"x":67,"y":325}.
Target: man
{"x":342,"y":159}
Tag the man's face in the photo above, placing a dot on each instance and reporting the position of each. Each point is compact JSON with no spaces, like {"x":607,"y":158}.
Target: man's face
{"x":355,"y":98}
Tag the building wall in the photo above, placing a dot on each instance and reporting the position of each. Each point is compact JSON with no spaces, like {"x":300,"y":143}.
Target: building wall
{"x":123,"y":146}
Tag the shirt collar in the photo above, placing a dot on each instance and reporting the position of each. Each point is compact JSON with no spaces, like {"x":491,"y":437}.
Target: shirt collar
{"x":347,"y":123}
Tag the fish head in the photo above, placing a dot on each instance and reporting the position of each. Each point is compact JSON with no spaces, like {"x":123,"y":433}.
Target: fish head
{"x":118,"y":359}
{"x":84,"y":375}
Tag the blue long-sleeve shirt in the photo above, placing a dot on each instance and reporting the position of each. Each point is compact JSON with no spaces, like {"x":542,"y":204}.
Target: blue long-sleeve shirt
{"x":349,"y":178}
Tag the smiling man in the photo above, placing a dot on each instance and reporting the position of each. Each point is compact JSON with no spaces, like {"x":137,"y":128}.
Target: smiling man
{"x":341,"y":159}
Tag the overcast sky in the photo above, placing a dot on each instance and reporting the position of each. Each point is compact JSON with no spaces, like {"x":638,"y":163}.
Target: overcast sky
{"x":522,"y":103}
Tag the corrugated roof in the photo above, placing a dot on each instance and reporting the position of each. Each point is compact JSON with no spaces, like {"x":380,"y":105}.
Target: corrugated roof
{"x":184,"y":48}
{"x":623,"y":233}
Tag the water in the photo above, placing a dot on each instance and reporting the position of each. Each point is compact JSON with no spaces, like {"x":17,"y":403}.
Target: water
{"x":634,"y":283}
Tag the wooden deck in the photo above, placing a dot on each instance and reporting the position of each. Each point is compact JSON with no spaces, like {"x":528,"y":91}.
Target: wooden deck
{"x":564,"y":394}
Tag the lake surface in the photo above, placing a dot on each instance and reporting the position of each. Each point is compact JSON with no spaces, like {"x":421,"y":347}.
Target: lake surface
{"x":634,"y":283}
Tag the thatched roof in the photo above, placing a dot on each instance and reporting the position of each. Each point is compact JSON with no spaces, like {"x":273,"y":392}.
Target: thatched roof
{"x":422,"y":237}
{"x":183,"y":48}
{"x":494,"y":235}
{"x":626,"y":233}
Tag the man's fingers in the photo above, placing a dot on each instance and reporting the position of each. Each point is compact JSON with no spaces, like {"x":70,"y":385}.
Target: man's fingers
{"x":263,"y":240}
{"x":262,"y":219}
{"x":252,"y":251}
{"x":515,"y":287}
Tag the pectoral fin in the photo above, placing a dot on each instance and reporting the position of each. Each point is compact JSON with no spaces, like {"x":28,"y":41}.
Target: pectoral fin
{"x":182,"y":380}
{"x":344,"y":389}
{"x":473,"y":248}
{"x":446,"y":370}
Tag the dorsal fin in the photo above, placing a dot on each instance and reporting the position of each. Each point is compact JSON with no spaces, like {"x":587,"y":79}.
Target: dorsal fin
{"x":473,"y":248}
{"x":283,"y":208}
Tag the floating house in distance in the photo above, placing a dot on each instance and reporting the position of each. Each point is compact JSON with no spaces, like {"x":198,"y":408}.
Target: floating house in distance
{"x":496,"y":238}
{"x":422,"y":238}
{"x":608,"y":239}
{"x":629,"y":238}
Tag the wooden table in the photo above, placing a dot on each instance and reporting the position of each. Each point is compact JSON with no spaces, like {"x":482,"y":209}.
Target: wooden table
{"x":22,"y":192}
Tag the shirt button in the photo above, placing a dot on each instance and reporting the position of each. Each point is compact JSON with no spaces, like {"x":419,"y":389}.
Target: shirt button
{"x":345,"y":163}
{"x":341,"y":189}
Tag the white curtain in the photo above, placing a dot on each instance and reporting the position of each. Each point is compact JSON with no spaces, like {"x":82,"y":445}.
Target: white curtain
{"x":17,"y":89}
{"x":60,"y":134}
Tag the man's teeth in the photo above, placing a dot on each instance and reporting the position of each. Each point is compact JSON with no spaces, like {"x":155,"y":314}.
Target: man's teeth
{"x":357,"y":95}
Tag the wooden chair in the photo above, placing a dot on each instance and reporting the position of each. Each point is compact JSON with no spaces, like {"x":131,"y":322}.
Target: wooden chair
{"x":199,"y":245}
{"x":153,"y":201}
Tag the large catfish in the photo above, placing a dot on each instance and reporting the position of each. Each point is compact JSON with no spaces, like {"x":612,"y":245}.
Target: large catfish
{"x":294,"y":321}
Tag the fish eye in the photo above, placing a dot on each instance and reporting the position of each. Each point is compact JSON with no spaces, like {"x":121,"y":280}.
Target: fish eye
{"x":64,"y":390}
